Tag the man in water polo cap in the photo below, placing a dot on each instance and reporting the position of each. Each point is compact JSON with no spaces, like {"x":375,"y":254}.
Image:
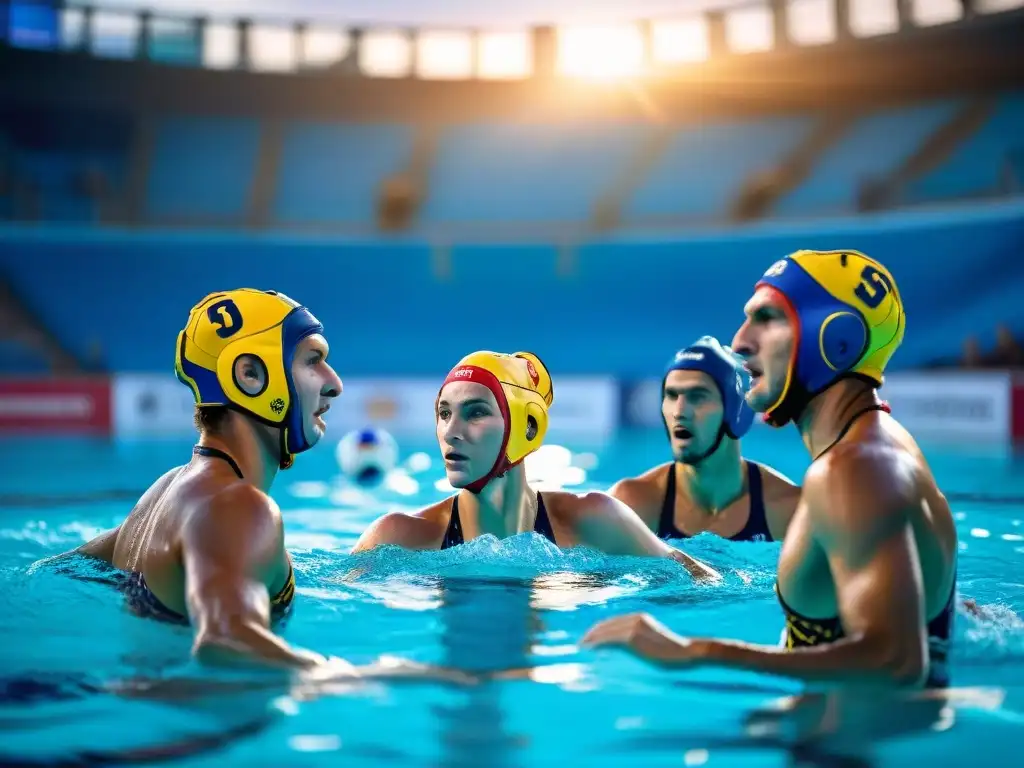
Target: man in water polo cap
{"x":491,"y":413}
{"x":205,"y":545}
{"x":709,"y":486}
{"x":867,"y":573}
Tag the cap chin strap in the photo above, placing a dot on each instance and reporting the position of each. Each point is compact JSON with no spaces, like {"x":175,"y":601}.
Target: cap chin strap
{"x":497,"y":471}
{"x":796,"y":400}
{"x":501,"y":466}
{"x":791,"y":406}
{"x":714,"y":447}
{"x":287,"y":459}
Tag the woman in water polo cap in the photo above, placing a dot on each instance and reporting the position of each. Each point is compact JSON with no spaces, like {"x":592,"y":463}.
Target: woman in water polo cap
{"x":491,"y":413}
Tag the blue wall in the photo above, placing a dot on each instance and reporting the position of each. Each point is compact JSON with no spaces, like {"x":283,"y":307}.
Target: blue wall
{"x":624,"y":305}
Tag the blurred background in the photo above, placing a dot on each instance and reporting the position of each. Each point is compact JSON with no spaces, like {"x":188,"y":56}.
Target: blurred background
{"x":597,"y":182}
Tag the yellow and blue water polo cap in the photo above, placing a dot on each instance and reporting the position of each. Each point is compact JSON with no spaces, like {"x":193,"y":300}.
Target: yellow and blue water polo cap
{"x":260,"y":328}
{"x":848,"y":319}
{"x":522,"y":387}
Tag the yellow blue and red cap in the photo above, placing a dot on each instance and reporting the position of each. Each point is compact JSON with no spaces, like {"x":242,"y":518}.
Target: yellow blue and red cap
{"x":250,"y":326}
{"x":848,"y":319}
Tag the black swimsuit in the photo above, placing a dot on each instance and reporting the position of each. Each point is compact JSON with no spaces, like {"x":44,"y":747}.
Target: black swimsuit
{"x":802,"y":632}
{"x":144,"y":603}
{"x":453,"y":536}
{"x":756,"y":528}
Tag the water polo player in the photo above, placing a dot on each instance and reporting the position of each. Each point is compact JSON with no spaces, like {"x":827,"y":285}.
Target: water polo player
{"x":491,"y":413}
{"x":709,"y":487}
{"x":867,"y":574}
{"x":205,"y":544}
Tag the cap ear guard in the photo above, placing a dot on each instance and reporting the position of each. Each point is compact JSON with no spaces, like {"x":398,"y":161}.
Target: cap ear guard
{"x":271,"y":403}
{"x":843,"y":340}
{"x":536,"y":423}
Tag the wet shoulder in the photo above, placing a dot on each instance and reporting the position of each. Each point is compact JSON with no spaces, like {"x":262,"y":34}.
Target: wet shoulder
{"x":422,"y":529}
{"x":645,"y":493}
{"x":159,"y":488}
{"x":836,"y":483}
{"x":567,"y":509}
{"x":780,"y":492}
{"x":159,"y":496}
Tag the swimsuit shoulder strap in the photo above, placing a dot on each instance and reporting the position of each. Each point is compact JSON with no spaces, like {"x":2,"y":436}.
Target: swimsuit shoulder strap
{"x":667,"y":522}
{"x":543,"y":522}
{"x":453,"y":534}
{"x":757,"y":520}
{"x":217,"y":453}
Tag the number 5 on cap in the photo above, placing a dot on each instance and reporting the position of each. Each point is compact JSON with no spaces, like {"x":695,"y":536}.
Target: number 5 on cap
{"x":873,"y":288}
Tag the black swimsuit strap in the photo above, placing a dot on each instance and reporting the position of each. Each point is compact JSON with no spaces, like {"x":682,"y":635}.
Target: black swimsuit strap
{"x":217,"y":453}
{"x":849,"y":425}
{"x":453,"y":535}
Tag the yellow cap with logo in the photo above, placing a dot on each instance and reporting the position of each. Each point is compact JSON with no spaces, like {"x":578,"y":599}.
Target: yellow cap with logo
{"x":522,"y":387}
{"x":236,"y":350}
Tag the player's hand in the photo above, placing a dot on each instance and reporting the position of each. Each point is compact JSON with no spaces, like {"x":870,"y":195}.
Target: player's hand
{"x":648,"y":639}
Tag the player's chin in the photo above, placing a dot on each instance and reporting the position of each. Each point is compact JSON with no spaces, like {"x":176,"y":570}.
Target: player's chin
{"x":315,"y":430}
{"x":689,"y":456}
{"x":759,"y":398}
{"x":457,"y":479}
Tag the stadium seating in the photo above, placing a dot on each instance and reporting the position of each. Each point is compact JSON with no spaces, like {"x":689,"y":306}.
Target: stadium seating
{"x":704,"y":167}
{"x":526,"y":172}
{"x":873,"y":147}
{"x":202,"y":169}
{"x":331,"y":172}
{"x":976,"y":165}
{"x":50,"y":171}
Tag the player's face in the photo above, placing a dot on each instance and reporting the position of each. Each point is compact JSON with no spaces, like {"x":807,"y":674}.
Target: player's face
{"x":470,"y":431}
{"x":692,"y":408}
{"x":765,"y":341}
{"x":316,"y":384}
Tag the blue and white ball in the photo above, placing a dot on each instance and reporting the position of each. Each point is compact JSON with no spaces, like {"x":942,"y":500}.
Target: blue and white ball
{"x":367,"y":455}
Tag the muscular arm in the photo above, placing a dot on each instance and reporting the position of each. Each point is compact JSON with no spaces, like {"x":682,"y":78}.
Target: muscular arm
{"x":230,"y":546}
{"x":605,"y":523}
{"x":872,"y":555}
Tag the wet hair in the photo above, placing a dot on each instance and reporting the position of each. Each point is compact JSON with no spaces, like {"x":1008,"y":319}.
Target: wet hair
{"x":210,"y":418}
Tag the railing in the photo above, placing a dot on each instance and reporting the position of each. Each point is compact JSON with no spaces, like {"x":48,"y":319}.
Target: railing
{"x":648,"y":47}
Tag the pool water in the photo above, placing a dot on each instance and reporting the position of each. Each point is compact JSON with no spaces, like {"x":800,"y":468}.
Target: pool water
{"x":519,"y":604}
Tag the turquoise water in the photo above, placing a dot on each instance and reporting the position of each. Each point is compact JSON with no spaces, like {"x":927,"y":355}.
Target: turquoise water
{"x":519,"y":604}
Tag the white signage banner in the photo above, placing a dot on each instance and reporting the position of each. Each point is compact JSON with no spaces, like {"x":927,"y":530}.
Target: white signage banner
{"x":158,"y":405}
